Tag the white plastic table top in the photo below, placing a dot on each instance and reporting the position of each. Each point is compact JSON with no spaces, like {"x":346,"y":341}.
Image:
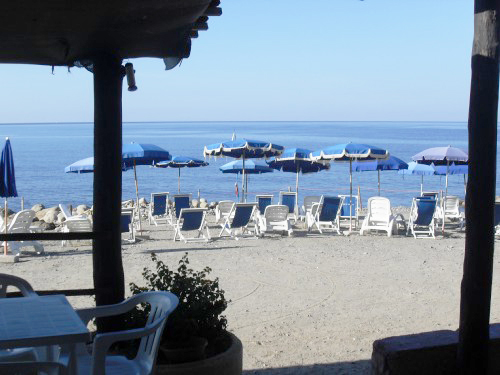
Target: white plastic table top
{"x":39,"y":321}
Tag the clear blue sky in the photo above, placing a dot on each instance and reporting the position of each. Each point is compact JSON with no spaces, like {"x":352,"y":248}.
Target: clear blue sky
{"x":324,"y":60}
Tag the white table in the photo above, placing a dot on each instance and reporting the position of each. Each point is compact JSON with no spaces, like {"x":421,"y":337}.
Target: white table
{"x":40,"y":321}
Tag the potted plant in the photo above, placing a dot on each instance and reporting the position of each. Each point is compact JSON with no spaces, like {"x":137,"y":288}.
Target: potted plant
{"x":195,"y":333}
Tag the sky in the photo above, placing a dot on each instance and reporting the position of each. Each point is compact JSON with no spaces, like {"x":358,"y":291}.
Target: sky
{"x":277,"y":60}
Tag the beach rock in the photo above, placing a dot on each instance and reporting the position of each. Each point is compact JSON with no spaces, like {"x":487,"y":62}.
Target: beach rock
{"x":37,"y":207}
{"x":50,"y":216}
{"x":203,"y":204}
{"x":213,"y":205}
{"x":60,"y":218}
{"x":81,"y":209}
{"x":203,"y":200}
{"x":143,"y":202}
{"x":195,"y":203}
{"x":45,"y":226}
{"x":9,"y":212}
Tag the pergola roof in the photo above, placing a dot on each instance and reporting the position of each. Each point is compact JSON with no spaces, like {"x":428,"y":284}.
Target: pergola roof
{"x":60,"y":32}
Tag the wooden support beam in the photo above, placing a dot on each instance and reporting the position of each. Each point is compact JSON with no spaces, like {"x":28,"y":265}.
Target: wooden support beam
{"x":109,"y":279}
{"x":480,"y":198}
{"x":213,"y":11}
{"x":200,"y":26}
{"x":193,"y":34}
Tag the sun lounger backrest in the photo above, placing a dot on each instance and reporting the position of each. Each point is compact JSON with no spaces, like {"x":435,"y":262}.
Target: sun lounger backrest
{"x":65,"y":211}
{"x":225,"y":206}
{"x":242,"y":214}
{"x":329,"y":208}
{"x":288,"y":199}
{"x":78,"y":225}
{"x":452,"y":204}
{"x":346,"y":207}
{"x":159,"y":204}
{"x":309,"y":200}
{"x":276,"y":212}
{"x":425,"y":211}
{"x":180,"y":201}
{"x":193,"y":218}
{"x":379,"y":208}
{"x":125,"y":221}
{"x":263,"y":201}
{"x":497,"y":213}
{"x":21,"y":222}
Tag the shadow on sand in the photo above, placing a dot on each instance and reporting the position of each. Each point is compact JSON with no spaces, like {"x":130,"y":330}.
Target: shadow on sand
{"x":355,"y":367}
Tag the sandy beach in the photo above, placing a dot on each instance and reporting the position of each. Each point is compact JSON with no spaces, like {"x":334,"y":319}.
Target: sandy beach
{"x":307,"y":304}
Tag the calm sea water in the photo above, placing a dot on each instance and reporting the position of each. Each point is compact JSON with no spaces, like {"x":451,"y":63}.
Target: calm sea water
{"x":41,"y":151}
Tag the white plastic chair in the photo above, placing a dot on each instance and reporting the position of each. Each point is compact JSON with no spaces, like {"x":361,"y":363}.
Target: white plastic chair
{"x":222,"y":210}
{"x":379,"y":216}
{"x":191,"y":219}
{"x":77,"y":225}
{"x":275,"y":218}
{"x":308,"y":202}
{"x":451,"y":208}
{"x":21,"y":224}
{"x":100,"y":363}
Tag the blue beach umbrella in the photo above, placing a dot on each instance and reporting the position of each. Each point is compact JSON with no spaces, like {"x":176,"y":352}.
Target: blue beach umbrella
{"x":350,"y":152}
{"x":181,"y":162}
{"x":7,"y":180}
{"x":250,"y":167}
{"x":417,"y":169}
{"x":297,"y":160}
{"x":391,"y":164}
{"x":243,"y":149}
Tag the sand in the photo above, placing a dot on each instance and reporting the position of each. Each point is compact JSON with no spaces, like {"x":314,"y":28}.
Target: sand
{"x":308,"y":304}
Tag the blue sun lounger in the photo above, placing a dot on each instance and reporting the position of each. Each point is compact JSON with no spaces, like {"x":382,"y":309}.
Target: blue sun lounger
{"x":325,"y":214}
{"x":263,"y":201}
{"x":127,"y":224}
{"x":422,"y":218}
{"x":239,"y":218}
{"x":180,"y":201}
{"x":158,"y":208}
{"x":288,"y":198}
{"x":191,"y":219}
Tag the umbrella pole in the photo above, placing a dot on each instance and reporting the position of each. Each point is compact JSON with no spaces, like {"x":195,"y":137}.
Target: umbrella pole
{"x":137,"y":196}
{"x":446,"y":193}
{"x":243,"y":197}
{"x":422,"y":186}
{"x":5,"y":223}
{"x":179,"y":182}
{"x":378,"y":182}
{"x":297,"y":191}
{"x":350,"y":193}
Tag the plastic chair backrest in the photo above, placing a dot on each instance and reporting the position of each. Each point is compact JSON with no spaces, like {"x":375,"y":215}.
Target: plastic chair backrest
{"x":452,"y":204}
{"x":225,"y":206}
{"x":329,"y":208}
{"x":276,"y":212}
{"x":288,"y":199}
{"x":21,"y":222}
{"x":193,"y":218}
{"x":65,"y":211}
{"x":83,"y":225}
{"x":379,"y":208}
{"x":309,"y":200}
{"x":263,"y":201}
{"x":10,"y":280}
{"x":425,"y":210}
{"x":242,"y":214}
{"x":345,"y":211}
{"x":159,"y":204}
{"x":181,"y":201}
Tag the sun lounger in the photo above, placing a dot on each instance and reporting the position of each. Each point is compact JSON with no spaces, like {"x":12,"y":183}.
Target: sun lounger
{"x":275,"y":218}
{"x":127,"y":224}
{"x":192,"y":219}
{"x":345,"y":212}
{"x":21,"y":224}
{"x":308,"y":202}
{"x":451,"y":209}
{"x":158,"y":208}
{"x":80,"y":224}
{"x":222,"y":211}
{"x":325,"y":214}
{"x":497,"y":219}
{"x":262,"y":202}
{"x":180,"y":201}
{"x":379,"y":216}
{"x":422,"y":220}
{"x":238,"y":219}
{"x":288,"y":198}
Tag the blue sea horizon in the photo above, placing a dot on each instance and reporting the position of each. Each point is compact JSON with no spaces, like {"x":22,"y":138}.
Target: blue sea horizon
{"x":42,"y":151}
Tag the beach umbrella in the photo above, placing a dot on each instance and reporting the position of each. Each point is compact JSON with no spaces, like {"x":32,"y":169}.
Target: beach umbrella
{"x":244,"y":169}
{"x":7,"y":181}
{"x":181,"y":162}
{"x":453,"y":169}
{"x":349,"y":152}
{"x":243,"y":149}
{"x":442,"y":156}
{"x":391,"y":164}
{"x":417,"y":169}
{"x":133,"y":154}
{"x":297,"y":160}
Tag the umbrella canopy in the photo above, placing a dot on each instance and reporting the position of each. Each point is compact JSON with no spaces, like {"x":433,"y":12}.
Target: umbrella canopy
{"x":181,"y":162}
{"x":418,"y":169}
{"x":250,"y":167}
{"x":296,"y":160}
{"x":7,"y":173}
{"x":391,"y":164}
{"x":350,"y":152}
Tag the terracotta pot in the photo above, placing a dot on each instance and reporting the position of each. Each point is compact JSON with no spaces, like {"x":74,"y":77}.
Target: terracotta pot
{"x":229,"y":362}
{"x":185,"y":351}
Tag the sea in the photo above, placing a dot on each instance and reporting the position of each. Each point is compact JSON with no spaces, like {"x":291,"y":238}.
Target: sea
{"x":42,"y":151}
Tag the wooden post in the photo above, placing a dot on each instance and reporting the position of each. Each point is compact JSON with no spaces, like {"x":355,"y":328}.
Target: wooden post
{"x":479,"y":205}
{"x":109,"y":279}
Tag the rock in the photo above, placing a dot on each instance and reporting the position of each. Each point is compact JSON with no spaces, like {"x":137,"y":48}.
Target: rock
{"x":37,"y":207}
{"x":195,"y":203}
{"x":143,"y":202}
{"x":203,"y":204}
{"x":203,"y":200}
{"x":46,"y":226}
{"x":81,"y":209}
{"x":60,"y":218}
{"x":50,"y":216}
{"x":213,"y":205}
{"x":9,"y":212}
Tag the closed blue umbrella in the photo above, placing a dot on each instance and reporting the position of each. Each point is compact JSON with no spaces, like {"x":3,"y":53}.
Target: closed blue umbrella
{"x":243,"y":149}
{"x":7,"y":180}
{"x":181,"y":162}
{"x":350,"y":152}
{"x":391,"y":164}
{"x":297,"y":160}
